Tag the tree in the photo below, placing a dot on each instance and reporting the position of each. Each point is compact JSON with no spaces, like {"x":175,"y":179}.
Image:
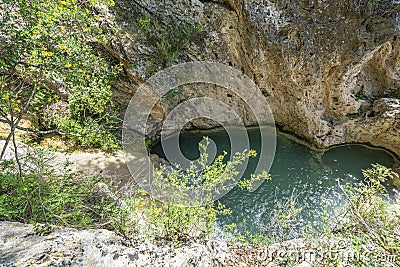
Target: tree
{"x":48,"y":55}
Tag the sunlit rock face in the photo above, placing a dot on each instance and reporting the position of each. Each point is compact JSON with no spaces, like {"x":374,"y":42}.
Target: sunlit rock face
{"x":326,"y":68}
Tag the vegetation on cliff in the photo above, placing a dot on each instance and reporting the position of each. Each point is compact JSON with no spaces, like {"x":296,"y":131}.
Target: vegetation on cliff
{"x":53,"y":70}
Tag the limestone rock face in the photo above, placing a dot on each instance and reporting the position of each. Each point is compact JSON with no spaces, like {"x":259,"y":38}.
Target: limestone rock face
{"x":21,"y":245}
{"x":324,"y":66}
{"x":388,"y":108}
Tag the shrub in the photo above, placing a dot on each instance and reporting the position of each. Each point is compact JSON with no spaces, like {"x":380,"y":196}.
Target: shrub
{"x":370,"y":221}
{"x":166,"y":37}
{"x":48,"y":55}
{"x":196,"y":215}
{"x":44,"y":195}
{"x":363,"y":232}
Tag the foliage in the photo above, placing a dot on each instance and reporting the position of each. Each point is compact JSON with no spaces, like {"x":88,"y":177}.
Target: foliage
{"x":352,"y":116}
{"x":200,"y":182}
{"x":166,"y":38}
{"x":196,"y":217}
{"x":364,"y":232}
{"x":177,"y":222}
{"x":44,"y":196}
{"x":48,"y":55}
{"x":282,"y":225}
{"x":371,"y":220}
{"x":393,"y":95}
{"x":90,"y":132}
{"x":285,"y":217}
{"x":361,"y":95}
{"x":173,"y":97}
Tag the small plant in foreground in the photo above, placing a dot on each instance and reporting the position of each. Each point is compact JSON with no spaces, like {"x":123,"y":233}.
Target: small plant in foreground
{"x":45,"y":195}
{"x":371,"y":220}
{"x":179,"y":222}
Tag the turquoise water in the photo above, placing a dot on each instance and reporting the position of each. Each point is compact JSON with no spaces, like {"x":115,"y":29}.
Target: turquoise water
{"x":308,"y":177}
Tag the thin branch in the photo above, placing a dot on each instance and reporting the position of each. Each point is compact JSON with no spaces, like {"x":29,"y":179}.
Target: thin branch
{"x":3,"y":152}
{"x":4,"y":115}
{"x":16,"y":154}
{"x":357,"y":214}
{"x":27,"y":129}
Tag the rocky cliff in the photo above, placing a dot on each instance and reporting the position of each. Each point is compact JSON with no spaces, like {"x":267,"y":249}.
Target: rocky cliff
{"x":330,"y":70}
{"x":24,"y":245}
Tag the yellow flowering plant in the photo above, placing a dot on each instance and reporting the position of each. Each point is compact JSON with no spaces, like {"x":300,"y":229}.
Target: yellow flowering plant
{"x":197,"y":218}
{"x":46,"y":57}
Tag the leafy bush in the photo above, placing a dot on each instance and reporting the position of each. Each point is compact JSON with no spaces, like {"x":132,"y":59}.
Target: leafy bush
{"x":167,"y":44}
{"x":196,"y":214}
{"x":48,"y":196}
{"x":48,"y":55}
{"x":45,"y":195}
{"x":201,"y":181}
{"x":369,"y":222}
{"x":365,"y":231}
{"x":166,"y":37}
{"x":179,"y":223}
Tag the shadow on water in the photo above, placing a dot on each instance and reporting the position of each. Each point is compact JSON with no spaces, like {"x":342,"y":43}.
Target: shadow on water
{"x":297,"y":172}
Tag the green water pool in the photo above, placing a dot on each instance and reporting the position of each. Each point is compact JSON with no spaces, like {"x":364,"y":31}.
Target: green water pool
{"x":309,"y":177}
